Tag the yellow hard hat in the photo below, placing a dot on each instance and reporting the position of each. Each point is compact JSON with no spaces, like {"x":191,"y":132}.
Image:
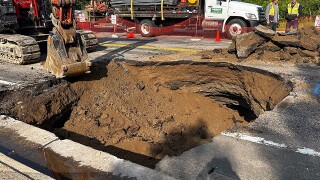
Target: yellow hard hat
{"x":192,"y":2}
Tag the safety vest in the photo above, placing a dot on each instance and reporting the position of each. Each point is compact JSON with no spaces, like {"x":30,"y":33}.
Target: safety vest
{"x":293,"y":10}
{"x":271,"y":11}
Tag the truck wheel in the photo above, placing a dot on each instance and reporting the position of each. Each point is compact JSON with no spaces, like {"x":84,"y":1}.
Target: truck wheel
{"x":147,"y":28}
{"x":235,"y":27}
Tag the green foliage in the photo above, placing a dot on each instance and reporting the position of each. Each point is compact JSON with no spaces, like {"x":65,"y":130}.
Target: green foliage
{"x":81,"y":4}
{"x":309,"y":7}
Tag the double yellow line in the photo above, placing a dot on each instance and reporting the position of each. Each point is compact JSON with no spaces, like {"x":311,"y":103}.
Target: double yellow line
{"x":149,"y":47}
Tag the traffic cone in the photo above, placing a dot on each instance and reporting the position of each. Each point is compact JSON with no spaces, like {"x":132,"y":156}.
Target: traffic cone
{"x":218,"y":36}
{"x":130,"y":35}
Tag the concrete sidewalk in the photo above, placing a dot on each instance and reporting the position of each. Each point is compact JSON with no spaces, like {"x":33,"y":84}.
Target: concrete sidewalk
{"x":11,"y":169}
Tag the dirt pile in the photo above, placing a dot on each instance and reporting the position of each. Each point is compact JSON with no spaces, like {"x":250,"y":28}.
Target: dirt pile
{"x":146,"y":110}
{"x":301,"y":46}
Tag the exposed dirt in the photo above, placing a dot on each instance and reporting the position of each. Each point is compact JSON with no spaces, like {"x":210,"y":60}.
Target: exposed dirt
{"x":142,"y":111}
{"x":47,"y":103}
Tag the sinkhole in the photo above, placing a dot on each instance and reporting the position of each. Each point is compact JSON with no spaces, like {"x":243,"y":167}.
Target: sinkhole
{"x":143,"y":111}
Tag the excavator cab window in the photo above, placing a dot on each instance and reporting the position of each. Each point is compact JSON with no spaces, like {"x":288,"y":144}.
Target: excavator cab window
{"x":6,"y":7}
{"x":6,"y":3}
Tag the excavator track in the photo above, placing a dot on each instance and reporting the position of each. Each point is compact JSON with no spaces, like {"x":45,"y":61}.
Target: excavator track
{"x":89,"y":40}
{"x":19,"y":49}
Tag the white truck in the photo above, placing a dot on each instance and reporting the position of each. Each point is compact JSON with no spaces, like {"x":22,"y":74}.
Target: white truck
{"x":232,"y":17}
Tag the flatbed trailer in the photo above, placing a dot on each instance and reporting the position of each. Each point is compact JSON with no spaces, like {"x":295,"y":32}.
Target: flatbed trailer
{"x":152,"y":17}
{"x":228,"y":16}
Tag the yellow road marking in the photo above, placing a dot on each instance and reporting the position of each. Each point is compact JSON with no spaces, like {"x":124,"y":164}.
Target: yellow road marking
{"x":150,"y":47}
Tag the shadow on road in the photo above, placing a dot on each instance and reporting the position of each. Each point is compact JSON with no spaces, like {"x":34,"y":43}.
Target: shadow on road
{"x":211,"y":171}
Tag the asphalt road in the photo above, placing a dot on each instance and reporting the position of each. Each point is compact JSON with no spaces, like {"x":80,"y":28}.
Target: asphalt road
{"x":18,"y":76}
{"x":14,"y":76}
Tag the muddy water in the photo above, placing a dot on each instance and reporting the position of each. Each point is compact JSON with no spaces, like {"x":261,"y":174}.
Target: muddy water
{"x":144,"y":111}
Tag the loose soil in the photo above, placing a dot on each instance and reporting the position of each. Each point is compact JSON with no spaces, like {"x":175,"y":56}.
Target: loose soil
{"x":142,"y":111}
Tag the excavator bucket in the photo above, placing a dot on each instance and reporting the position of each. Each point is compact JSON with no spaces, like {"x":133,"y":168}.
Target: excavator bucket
{"x":65,"y":59}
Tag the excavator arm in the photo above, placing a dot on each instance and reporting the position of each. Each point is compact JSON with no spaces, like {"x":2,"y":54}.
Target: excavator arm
{"x":66,"y":55}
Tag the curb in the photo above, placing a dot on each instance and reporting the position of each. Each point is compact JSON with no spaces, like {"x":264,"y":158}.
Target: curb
{"x":66,"y":158}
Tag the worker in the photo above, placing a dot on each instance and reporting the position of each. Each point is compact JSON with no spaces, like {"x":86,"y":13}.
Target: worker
{"x":272,"y":15}
{"x":293,"y":13}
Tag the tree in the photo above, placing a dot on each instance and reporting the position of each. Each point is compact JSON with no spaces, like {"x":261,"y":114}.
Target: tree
{"x":81,"y":4}
{"x":311,"y":7}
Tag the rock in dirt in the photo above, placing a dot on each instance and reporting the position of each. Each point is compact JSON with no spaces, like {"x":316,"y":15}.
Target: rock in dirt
{"x":281,"y":34}
{"x":270,"y":56}
{"x":309,"y":31}
{"x":293,"y":32}
{"x":285,"y":56}
{"x":206,"y":56}
{"x":217,"y":51}
{"x":307,"y":53}
{"x":305,"y":60}
{"x":247,"y":43}
{"x":264,"y":31}
{"x":269,"y":46}
{"x":284,"y":41}
{"x":140,"y":86}
{"x":291,"y":50}
{"x":309,"y":43}
{"x":232,"y":48}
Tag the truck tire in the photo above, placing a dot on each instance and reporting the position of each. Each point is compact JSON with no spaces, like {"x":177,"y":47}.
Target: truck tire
{"x":235,"y":27}
{"x":147,"y":28}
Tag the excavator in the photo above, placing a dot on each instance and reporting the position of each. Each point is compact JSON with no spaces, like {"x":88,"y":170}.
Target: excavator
{"x":25,"y":27}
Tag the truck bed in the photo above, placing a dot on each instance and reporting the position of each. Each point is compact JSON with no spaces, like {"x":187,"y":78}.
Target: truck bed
{"x":119,"y":3}
{"x":155,"y":12}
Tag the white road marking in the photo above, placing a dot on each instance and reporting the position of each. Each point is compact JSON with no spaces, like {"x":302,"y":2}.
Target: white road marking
{"x":257,"y":140}
{"x":308,"y":151}
{"x":260,"y":140}
{"x":7,"y":83}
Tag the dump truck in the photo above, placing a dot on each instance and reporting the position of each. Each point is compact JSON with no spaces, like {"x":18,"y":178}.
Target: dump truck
{"x":29,"y":26}
{"x":232,"y":17}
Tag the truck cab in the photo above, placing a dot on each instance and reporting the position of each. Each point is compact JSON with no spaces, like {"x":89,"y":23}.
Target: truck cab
{"x":235,"y":16}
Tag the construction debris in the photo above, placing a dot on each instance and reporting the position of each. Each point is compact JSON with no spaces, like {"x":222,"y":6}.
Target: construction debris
{"x":264,"y":32}
{"x":247,"y":43}
{"x":301,"y":44}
